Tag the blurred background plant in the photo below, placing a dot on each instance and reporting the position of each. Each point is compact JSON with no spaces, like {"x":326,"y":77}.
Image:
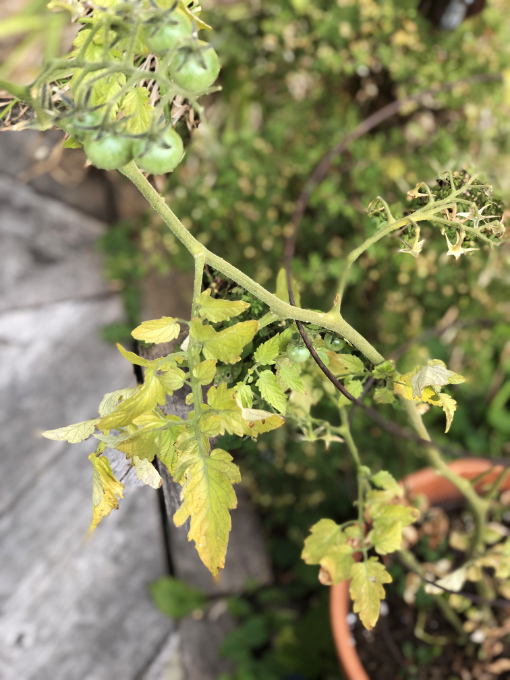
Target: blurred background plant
{"x":297,"y":77}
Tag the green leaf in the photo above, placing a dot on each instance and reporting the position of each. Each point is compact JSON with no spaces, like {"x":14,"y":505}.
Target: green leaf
{"x":267,"y":353}
{"x":282,"y":289}
{"x":433,"y":374}
{"x":132,"y":357}
{"x":72,"y":143}
{"x":166,"y":447}
{"x":157,"y":330}
{"x":144,"y":400}
{"x":111,"y":400}
{"x":244,"y":395}
{"x":106,"y":488}
{"x":324,"y":536}
{"x":354,"y":387}
{"x":175,"y":598}
{"x":73,"y":433}
{"x":146,"y":472}
{"x":219,"y":310}
{"x":271,"y":391}
{"x":208,"y":495}
{"x":384,"y":371}
{"x":384,"y":480}
{"x":290,"y":377}
{"x":138,"y":109}
{"x":345,"y":364}
{"x":388,"y":522}
{"x":205,"y":371}
{"x":367,"y":591}
{"x":383,"y":395}
{"x":228,"y":344}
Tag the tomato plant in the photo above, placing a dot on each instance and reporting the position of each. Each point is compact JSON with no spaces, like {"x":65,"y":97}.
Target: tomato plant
{"x":159,"y":156}
{"x":195,"y":68}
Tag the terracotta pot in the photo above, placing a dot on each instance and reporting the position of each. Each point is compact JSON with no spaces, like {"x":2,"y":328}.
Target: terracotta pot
{"x":437,"y":489}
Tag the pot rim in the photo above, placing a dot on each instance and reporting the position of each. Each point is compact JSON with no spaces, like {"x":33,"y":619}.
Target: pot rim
{"x":437,"y":489}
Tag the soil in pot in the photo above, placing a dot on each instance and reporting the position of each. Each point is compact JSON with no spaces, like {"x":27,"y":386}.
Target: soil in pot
{"x":392,"y":651}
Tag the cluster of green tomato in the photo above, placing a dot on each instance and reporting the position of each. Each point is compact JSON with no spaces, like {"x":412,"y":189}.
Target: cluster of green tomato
{"x":193,"y":67}
{"x":299,"y":353}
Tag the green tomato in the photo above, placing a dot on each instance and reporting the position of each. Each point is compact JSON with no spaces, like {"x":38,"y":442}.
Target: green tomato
{"x":108,"y":152}
{"x":335,"y":344}
{"x":195,"y":68}
{"x":298,"y":353}
{"x":82,"y":124}
{"x":178,"y":26}
{"x":160,"y":157}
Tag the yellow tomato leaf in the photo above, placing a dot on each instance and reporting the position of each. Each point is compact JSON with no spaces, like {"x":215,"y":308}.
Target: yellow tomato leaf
{"x":228,"y":344}
{"x":106,"y":488}
{"x":205,"y":371}
{"x":132,"y":357}
{"x":138,"y":111}
{"x":207,"y":496}
{"x":219,"y":310}
{"x":367,"y":590}
{"x":144,"y":400}
{"x":325,"y":535}
{"x":336,"y":565}
{"x":73,"y":433}
{"x":157,"y":330}
{"x":146,"y":472}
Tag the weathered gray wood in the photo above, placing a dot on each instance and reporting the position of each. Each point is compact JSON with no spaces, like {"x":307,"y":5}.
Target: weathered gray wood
{"x":70,"y":607}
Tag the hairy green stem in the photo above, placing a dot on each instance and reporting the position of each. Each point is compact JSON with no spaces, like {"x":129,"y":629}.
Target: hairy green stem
{"x":17,"y":91}
{"x":283,"y":310}
{"x":353,"y":450}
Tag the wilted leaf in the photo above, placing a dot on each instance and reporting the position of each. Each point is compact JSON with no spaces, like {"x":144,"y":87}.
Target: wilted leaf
{"x":367,"y":591}
{"x":434,"y":374}
{"x":207,"y":496}
{"x":106,"y":488}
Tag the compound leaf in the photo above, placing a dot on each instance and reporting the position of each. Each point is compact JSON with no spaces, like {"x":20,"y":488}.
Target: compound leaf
{"x":207,"y":496}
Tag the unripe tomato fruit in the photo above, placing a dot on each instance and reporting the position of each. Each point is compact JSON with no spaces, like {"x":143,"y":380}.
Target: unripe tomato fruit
{"x":161,"y":156}
{"x":82,"y":124}
{"x":335,"y":344}
{"x":195,"y":69}
{"x":165,"y":36}
{"x":298,"y":353}
{"x":108,"y":152}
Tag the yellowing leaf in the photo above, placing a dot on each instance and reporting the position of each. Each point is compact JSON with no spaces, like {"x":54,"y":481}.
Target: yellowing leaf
{"x":228,"y":344}
{"x":244,"y":395}
{"x":267,"y":353}
{"x":111,"y":400}
{"x":201,"y":25}
{"x":106,"y":488}
{"x":336,"y":565}
{"x":205,"y":371}
{"x":157,"y":330}
{"x":219,"y":310}
{"x":324,"y":536}
{"x":138,"y":111}
{"x":271,"y":391}
{"x":142,"y":444}
{"x":344,"y":364}
{"x":207,"y":496}
{"x":132,"y":357}
{"x":388,"y":522}
{"x":144,"y":400}
{"x":259,"y":421}
{"x":223,"y":401}
{"x":172,"y":379}
{"x":73,"y":433}
{"x":166,"y":447}
{"x":384,"y":480}
{"x":147,"y":473}
{"x":449,"y":406}
{"x":367,"y":591}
